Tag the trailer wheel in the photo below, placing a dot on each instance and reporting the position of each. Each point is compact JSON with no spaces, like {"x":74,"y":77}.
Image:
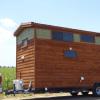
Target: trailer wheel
{"x":96,"y":89}
{"x":74,"y":93}
{"x":85,"y":93}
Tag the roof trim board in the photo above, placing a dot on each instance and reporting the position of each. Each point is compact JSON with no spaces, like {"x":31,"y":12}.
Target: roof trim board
{"x":51,"y":27}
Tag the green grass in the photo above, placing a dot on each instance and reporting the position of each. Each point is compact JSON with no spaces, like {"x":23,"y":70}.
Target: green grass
{"x":8,"y":74}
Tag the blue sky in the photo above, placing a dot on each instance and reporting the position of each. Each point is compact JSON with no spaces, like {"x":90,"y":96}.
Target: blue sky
{"x":79,"y":14}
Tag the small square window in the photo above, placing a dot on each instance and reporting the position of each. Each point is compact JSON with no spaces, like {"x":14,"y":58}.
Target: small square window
{"x":70,"y":53}
{"x":24,"y":42}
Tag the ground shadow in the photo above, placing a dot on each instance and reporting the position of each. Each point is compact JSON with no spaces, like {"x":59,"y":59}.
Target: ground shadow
{"x":89,"y":97}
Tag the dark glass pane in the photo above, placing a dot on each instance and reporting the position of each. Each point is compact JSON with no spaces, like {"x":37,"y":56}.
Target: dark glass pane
{"x":57,"y":35}
{"x":67,"y":36}
{"x":87,"y":38}
{"x":70,"y":54}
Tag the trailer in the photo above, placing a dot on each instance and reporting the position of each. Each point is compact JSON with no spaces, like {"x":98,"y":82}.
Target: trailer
{"x":58,"y":59}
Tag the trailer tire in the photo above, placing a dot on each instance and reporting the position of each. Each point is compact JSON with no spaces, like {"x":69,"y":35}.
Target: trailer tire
{"x":74,"y":92}
{"x":85,"y":93}
{"x":96,"y":89}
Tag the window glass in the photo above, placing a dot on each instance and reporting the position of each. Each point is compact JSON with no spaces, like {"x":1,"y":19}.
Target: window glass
{"x":97,"y":40}
{"x":70,"y":53}
{"x":76,"y":37}
{"x":26,"y":33}
{"x":43,"y":33}
{"x":57,"y":35}
{"x":67,"y":36}
{"x":87,"y":38}
{"x":24,"y":42}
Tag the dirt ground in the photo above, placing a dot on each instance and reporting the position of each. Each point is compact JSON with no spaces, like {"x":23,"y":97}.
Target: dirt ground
{"x":32,"y":96}
{"x":48,"y":96}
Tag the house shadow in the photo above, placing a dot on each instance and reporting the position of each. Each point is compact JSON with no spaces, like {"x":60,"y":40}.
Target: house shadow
{"x":80,"y":97}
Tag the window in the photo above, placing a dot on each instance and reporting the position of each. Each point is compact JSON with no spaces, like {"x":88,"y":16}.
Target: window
{"x":67,"y":36}
{"x":97,"y":40}
{"x":87,"y":38}
{"x":24,"y":42}
{"x":26,"y":33}
{"x":43,"y":33}
{"x":70,"y":53}
{"x":57,"y":35}
{"x":76,"y":37}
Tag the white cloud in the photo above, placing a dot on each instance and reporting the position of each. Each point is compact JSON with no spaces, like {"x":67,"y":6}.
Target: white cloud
{"x":4,"y":34}
{"x":7,"y":22}
{"x":7,"y":42}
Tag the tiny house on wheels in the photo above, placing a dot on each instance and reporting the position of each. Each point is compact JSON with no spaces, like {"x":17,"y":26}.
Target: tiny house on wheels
{"x":58,"y":59}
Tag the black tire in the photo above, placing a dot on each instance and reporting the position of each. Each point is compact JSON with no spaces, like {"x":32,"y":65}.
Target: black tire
{"x":85,"y":93}
{"x":74,"y":93}
{"x":96,"y":89}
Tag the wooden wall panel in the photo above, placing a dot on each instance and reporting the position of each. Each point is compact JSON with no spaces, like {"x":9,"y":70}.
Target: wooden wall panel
{"x":45,"y":63}
{"x":26,"y":67}
{"x":54,"y":70}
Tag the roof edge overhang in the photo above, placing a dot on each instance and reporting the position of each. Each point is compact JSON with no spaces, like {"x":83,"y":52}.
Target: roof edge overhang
{"x":21,"y":27}
{"x":45,"y":26}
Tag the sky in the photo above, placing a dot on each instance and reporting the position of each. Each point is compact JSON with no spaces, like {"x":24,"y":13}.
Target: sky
{"x":78,"y":14}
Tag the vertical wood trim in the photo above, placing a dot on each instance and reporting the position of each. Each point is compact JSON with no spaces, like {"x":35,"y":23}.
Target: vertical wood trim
{"x":34,"y":54}
{"x":16,"y":58}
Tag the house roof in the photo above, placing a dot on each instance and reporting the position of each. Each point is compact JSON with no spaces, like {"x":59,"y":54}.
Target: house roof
{"x":56,"y":28}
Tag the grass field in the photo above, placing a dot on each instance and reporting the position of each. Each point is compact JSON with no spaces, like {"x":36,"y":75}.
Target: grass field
{"x":8,"y":74}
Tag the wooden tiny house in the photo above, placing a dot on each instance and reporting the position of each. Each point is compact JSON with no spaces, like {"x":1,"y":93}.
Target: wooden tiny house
{"x":55,"y":57}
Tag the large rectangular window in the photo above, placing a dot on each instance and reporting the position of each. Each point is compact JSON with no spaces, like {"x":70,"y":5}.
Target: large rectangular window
{"x":57,"y":35}
{"x":87,"y":38}
{"x":67,"y":36}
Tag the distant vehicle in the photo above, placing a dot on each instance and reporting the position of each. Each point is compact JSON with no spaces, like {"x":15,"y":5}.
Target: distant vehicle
{"x":58,"y":59}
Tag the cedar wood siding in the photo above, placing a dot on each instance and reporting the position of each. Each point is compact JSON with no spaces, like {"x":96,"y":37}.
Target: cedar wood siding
{"x":54,"y":70}
{"x":46,"y":65}
{"x":25,"y":69}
